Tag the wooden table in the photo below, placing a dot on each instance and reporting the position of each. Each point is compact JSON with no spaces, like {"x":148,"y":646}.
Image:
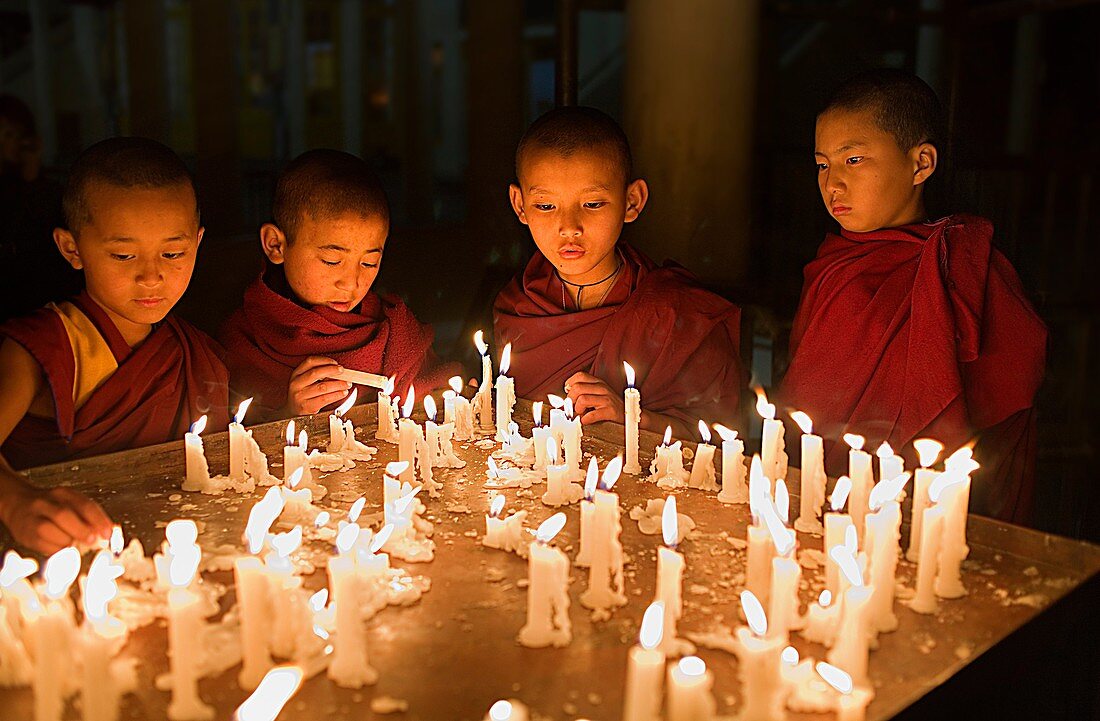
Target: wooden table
{"x":453,"y":654}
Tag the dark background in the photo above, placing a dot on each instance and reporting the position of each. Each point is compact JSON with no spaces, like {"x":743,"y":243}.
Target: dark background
{"x":718,"y":96}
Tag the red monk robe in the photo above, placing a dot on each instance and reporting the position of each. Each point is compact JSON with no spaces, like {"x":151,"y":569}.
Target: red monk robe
{"x":108,"y":396}
{"x":271,"y":335}
{"x":922,"y":330}
{"x":681,"y":339}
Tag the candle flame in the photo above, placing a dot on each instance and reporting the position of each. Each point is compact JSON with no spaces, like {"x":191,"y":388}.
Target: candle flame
{"x":396,"y":468}
{"x":887,"y":491}
{"x":835,"y":677}
{"x":318,"y":600}
{"x":479,"y":342}
{"x":116,"y":543}
{"x":290,"y":433}
{"x":456,"y":384}
{"x":410,"y":403}
{"x":555,"y":401}
{"x":506,"y":359}
{"x":754,"y":613}
{"x":855,"y":441}
{"x":653,"y":626}
{"x":840,"y":493}
{"x":99,"y":586}
{"x":668,"y":436}
{"x":704,"y":431}
{"x":381,"y":537}
{"x":692,"y":666}
{"x":496,"y":506}
{"x":491,"y":467}
{"x":536,"y":412}
{"x":550,"y":528}
{"x":181,"y":533}
{"x":591,"y":478}
{"x":670,"y":524}
{"x":183,"y":564}
{"x":611,"y":473}
{"x":500,"y":711}
{"x":287,"y":543}
{"x":825,"y":599}
{"x":758,"y":486}
{"x":726,"y":433}
{"x":942,"y":482}
{"x":277,"y":688}
{"x":844,"y":558}
{"x":15,"y":568}
{"x":568,"y":407}
{"x":388,"y":388}
{"x":851,"y":540}
{"x":356,"y":509}
{"x":782,"y":537}
{"x":303,"y":439}
{"x":347,"y":537}
{"x":238,"y":417}
{"x":782,"y":501}
{"x":928,"y":451}
{"x":629,"y":371}
{"x":885,"y":450}
{"x":401,"y":505}
{"x":551,"y":450}
{"x":295,"y":477}
{"x":763,"y":408}
{"x":260,"y":518}
{"x":789,"y":656}
{"x":962,"y":461}
{"x":322,"y":519}
{"x":430,"y":407}
{"x":347,"y":404}
{"x":804,"y":422}
{"x":199,"y":426}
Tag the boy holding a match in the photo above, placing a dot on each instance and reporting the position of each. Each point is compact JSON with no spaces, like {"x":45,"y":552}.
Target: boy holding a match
{"x":311,"y":314}
{"x":587,"y":300}
{"x":909,"y":327}
{"x":110,"y":369}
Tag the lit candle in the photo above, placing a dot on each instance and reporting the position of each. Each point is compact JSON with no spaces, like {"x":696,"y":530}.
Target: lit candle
{"x":185,"y":623}
{"x":689,"y":691}
{"x":645,"y":664}
{"x":932,"y":519}
{"x":337,"y":436}
{"x":410,"y":438}
{"x":758,"y":655}
{"x":734,"y":487}
{"x":605,"y":570}
{"x":783,"y":588}
{"x":559,"y":491}
{"x":18,"y":600}
{"x":760,"y":491}
{"x":702,"y":470}
{"x":387,"y":413}
{"x":928,"y":451}
{"x":851,"y":648}
{"x":772,"y":445}
{"x":50,"y":630}
{"x":483,"y":401}
{"x":890,"y":465}
{"x":507,"y":533}
{"x":429,"y":449}
{"x":540,"y":437}
{"x":463,"y":412}
{"x":632,"y":400}
{"x":955,"y":499}
{"x":284,"y":585}
{"x":102,"y":634}
{"x":510,"y":710}
{"x":837,"y":524}
{"x":853,"y":700}
{"x":881,"y":540}
{"x":198,"y":471}
{"x":547,"y":590}
{"x":862,"y":473}
{"x":350,"y":666}
{"x":812,"y":496}
{"x":506,"y":394}
{"x":821,"y":619}
{"x":571,"y":441}
{"x":667,"y":469}
{"x":254,"y":593}
{"x":588,"y":509}
{"x":758,"y":562}
{"x":238,"y":449}
{"x":294,"y":455}
{"x":670,"y":576}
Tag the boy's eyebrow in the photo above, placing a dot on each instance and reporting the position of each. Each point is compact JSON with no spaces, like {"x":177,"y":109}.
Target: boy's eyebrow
{"x":342,"y":249}
{"x":128,"y":239}
{"x":850,"y":145}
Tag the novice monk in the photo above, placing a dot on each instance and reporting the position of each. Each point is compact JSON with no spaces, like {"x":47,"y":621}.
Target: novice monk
{"x":588,"y":301}
{"x":110,"y":369}
{"x":312,"y":310}
{"x":910,"y":328}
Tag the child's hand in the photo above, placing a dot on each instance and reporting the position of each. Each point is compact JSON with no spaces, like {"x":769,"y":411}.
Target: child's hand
{"x":312,"y":386}
{"x":594,"y":400}
{"x":49,"y":520}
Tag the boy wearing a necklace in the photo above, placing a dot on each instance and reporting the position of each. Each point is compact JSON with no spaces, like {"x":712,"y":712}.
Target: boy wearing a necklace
{"x":588,"y":301}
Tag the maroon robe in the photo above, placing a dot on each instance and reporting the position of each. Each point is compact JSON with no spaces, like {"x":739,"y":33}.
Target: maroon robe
{"x":681,"y":339}
{"x":922,"y":330}
{"x":159,"y":388}
{"x":271,"y":335}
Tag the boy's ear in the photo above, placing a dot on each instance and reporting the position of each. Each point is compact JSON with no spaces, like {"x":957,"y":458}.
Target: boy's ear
{"x":637,"y":193}
{"x":515,"y":195}
{"x":274,"y":242}
{"x":198,"y":237}
{"x":925,"y":158}
{"x":66,"y":243}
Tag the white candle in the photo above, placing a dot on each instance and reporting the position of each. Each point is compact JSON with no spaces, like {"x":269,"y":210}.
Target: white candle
{"x":253,"y":603}
{"x":772,"y":444}
{"x":758,"y":562}
{"x":484,"y":397}
{"x":505,"y":534}
{"x":350,"y":666}
{"x":559,"y":491}
{"x":852,"y":702}
{"x":632,"y":401}
{"x":670,"y":575}
{"x":955,"y":499}
{"x":645,"y":663}
{"x":387,"y":413}
{"x":734,"y":487}
{"x":337,"y":436}
{"x":702,"y":470}
{"x":238,"y":448}
{"x":506,"y":394}
{"x":283,"y":585}
{"x":547,"y":590}
{"x":540,"y":437}
{"x":783,"y":596}
{"x":758,"y":655}
{"x":862,"y":473}
{"x":198,"y":471}
{"x":821,"y":620}
{"x":689,"y":691}
{"x":50,"y":629}
{"x":882,"y":536}
{"x":186,"y":616}
{"x":102,"y":633}
{"x":812,"y":496}
{"x":295,"y":456}
{"x":588,"y":510}
{"x":928,"y":451}
{"x":890,"y":465}
{"x":449,"y":396}
{"x":605,"y":571}
{"x":924,"y":599}
{"x":571,"y":443}
{"x":837,"y":524}
{"x":851,"y":648}
{"x":410,"y":438}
